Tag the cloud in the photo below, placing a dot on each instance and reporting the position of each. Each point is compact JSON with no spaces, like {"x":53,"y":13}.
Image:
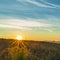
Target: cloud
{"x":39,"y":4}
{"x":22,"y":24}
{"x":53,"y":5}
{"x":14,"y":27}
{"x":50,"y":30}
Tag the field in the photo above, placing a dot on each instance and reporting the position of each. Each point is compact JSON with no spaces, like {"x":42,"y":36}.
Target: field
{"x":28,"y":50}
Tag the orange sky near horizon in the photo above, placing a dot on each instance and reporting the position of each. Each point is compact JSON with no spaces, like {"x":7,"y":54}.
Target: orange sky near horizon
{"x":29,"y":35}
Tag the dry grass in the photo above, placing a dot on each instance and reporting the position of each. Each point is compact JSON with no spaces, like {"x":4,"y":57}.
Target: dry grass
{"x":28,"y":50}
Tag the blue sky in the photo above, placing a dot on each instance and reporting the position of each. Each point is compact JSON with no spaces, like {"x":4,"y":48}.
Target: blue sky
{"x":40,"y":14}
{"x":30,"y":8}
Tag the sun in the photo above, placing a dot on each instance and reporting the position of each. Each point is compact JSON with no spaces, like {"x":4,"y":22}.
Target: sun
{"x":19,"y":37}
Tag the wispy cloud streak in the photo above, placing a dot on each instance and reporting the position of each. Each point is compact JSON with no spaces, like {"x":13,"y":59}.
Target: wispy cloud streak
{"x":53,"y":5}
{"x":22,"y":24}
{"x":39,"y":4}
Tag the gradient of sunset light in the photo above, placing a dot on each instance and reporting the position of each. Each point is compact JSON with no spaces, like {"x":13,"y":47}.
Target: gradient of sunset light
{"x":32,"y":19}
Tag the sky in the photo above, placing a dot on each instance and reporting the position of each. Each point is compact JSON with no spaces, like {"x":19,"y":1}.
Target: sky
{"x":32,"y":19}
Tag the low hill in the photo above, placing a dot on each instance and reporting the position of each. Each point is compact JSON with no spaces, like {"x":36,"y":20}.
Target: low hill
{"x":28,"y":50}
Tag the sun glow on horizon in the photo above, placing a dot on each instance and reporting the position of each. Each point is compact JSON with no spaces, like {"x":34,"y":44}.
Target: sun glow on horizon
{"x":19,"y":37}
